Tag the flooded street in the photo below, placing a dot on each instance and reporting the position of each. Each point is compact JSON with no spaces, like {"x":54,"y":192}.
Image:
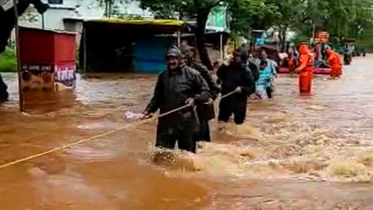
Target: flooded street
{"x":295,"y":152}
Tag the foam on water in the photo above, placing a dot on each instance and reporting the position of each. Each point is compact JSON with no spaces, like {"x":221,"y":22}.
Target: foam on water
{"x":284,"y":147}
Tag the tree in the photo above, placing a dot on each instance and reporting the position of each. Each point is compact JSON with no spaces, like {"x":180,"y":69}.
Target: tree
{"x":291,"y":14}
{"x":341,"y":18}
{"x":113,"y":7}
{"x":252,"y":14}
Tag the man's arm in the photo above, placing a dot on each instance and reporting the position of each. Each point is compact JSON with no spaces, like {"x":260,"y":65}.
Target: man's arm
{"x":214,"y":89}
{"x":154,"y":104}
{"x":303,"y":62}
{"x":275,"y":68}
{"x":222,"y":71}
{"x":254,"y":70}
{"x":203,"y":94}
{"x":249,"y":87}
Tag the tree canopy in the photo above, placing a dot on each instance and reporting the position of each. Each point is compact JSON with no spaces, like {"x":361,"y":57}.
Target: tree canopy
{"x":341,"y":18}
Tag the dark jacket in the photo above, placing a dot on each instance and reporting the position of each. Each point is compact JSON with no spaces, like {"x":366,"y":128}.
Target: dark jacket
{"x":234,"y":76}
{"x":214,"y":88}
{"x":254,"y":70}
{"x":3,"y":90}
{"x":173,"y":88}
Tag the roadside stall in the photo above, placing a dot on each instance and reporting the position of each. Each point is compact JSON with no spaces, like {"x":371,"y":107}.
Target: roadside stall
{"x":47,"y":57}
{"x":127,"y":45}
{"x":48,"y":66}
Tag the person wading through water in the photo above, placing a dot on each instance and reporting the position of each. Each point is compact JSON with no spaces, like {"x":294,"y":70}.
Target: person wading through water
{"x":305,"y":68}
{"x":177,"y":86}
{"x":235,"y":76}
{"x":334,"y":61}
{"x":270,"y":72}
{"x":205,"y":112}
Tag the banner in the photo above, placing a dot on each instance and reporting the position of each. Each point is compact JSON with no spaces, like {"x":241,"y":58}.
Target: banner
{"x":6,"y":4}
{"x":44,"y":77}
{"x":65,"y":74}
{"x":217,"y":19}
{"x":37,"y":76}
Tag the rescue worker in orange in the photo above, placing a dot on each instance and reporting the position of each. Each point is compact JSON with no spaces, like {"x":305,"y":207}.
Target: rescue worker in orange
{"x":292,"y":62}
{"x":334,"y":61}
{"x":305,"y":68}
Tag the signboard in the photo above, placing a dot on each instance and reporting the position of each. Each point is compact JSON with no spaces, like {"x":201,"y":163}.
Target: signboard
{"x":6,"y":4}
{"x":260,"y":41}
{"x":65,"y":74}
{"x":37,"y":76}
{"x":43,"y":77}
{"x":217,"y":19}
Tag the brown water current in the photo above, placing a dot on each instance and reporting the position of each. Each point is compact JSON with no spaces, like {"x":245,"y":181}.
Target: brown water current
{"x":294,"y":152}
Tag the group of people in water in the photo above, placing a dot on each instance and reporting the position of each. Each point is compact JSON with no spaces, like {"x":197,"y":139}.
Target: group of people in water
{"x":323,"y":58}
{"x":189,"y":85}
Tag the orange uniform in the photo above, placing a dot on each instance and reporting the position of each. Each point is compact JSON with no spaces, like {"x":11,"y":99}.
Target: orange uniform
{"x":334,"y":61}
{"x":305,"y":68}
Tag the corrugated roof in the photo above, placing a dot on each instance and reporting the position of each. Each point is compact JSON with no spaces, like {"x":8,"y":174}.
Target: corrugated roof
{"x":176,"y":23}
{"x":47,"y":30}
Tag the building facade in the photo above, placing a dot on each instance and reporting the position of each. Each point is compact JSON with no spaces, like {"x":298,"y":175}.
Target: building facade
{"x":78,"y":9}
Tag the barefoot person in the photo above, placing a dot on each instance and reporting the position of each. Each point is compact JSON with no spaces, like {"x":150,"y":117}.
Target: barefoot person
{"x":177,"y":86}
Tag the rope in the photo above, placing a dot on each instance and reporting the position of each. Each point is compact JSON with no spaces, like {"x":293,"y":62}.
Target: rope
{"x":228,"y":94}
{"x":98,"y":136}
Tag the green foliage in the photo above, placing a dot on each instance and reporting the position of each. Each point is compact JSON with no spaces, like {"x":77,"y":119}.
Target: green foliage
{"x":341,"y":18}
{"x":176,"y":8}
{"x":246,"y":14}
{"x":8,"y":61}
{"x":252,"y":14}
{"x":114,"y":8}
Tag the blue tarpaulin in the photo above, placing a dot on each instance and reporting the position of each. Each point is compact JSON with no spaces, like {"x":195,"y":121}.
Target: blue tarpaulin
{"x":149,"y":54}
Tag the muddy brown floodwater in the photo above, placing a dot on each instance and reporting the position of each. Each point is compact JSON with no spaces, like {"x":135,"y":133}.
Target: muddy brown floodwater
{"x":295,"y":152}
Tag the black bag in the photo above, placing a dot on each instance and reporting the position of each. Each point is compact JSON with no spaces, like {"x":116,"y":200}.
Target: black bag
{"x":206,"y":111}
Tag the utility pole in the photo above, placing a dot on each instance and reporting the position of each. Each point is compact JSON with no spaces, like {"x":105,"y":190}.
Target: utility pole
{"x":20,"y":89}
{"x":313,"y":31}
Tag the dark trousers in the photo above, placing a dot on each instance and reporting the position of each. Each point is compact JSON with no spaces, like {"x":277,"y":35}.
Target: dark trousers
{"x":185,"y":141}
{"x":269,"y":91}
{"x":3,"y":90}
{"x":204,"y":131}
{"x":233,"y":105}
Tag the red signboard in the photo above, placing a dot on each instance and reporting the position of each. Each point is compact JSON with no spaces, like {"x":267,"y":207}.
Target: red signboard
{"x":48,"y":57}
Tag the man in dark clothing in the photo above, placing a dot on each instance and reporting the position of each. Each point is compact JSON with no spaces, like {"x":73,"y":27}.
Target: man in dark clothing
{"x":204,"y":130}
{"x":235,"y":76}
{"x":3,"y":90}
{"x":177,"y":86}
{"x":253,"y":66}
